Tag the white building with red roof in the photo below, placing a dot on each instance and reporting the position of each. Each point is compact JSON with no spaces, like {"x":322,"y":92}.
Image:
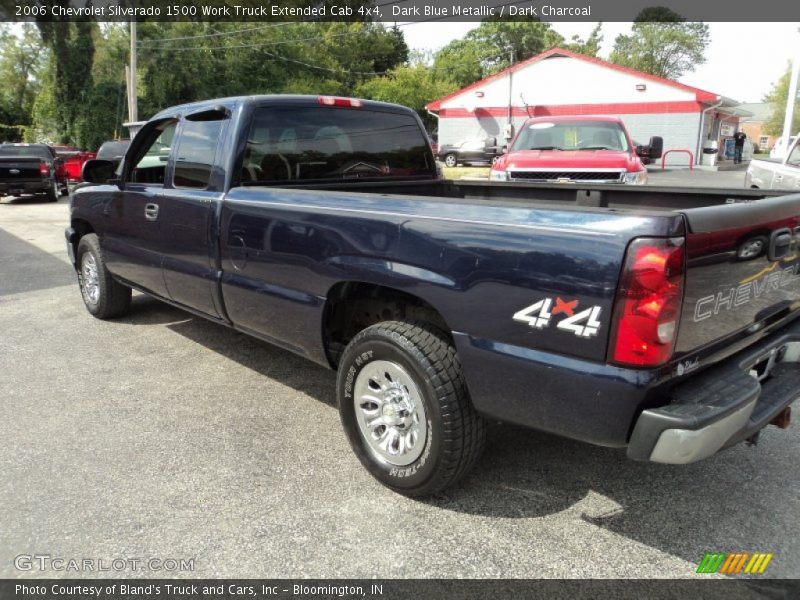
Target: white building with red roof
{"x":561,"y":82}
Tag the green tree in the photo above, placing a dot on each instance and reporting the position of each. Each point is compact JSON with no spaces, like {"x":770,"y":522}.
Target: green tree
{"x":72,"y":50}
{"x":777,"y":97}
{"x":524,"y":39}
{"x":21,"y":61}
{"x":590,"y":46}
{"x":461,"y":61}
{"x":412,"y":85}
{"x":489,"y":48}
{"x":662,"y":43}
{"x":44,"y":119}
{"x":396,"y":52}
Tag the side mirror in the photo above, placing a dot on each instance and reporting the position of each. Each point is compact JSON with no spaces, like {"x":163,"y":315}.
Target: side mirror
{"x":98,"y":171}
{"x":656,"y":146}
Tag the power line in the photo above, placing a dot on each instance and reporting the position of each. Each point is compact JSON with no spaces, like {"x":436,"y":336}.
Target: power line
{"x":253,"y":45}
{"x":249,"y":29}
{"x":145,"y":43}
{"x":317,"y":38}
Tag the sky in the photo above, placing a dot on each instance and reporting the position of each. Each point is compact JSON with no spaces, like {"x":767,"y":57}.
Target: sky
{"x":743,"y":60}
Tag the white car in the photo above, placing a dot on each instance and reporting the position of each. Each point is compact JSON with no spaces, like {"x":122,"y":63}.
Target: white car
{"x":771,"y":174}
{"x":779,"y":149}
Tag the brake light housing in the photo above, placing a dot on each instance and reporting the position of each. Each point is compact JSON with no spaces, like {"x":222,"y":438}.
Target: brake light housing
{"x":648,"y":302}
{"x":44,"y":169}
{"x":339,"y":101}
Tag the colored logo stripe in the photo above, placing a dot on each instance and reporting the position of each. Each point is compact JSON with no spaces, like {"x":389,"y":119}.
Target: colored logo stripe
{"x":734,"y":563}
{"x":759,"y":562}
{"x":711,"y":562}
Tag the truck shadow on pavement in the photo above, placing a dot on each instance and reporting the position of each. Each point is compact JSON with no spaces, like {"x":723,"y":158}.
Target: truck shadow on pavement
{"x":261,"y":357}
{"x":739,"y":500}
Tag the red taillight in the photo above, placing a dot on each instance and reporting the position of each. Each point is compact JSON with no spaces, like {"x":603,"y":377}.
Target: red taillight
{"x":648,"y":303}
{"x":341,"y":102}
{"x":44,"y":169}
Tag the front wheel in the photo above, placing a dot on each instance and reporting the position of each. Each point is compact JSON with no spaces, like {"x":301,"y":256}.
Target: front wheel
{"x":451,"y":160}
{"x":103,"y":296}
{"x":405,"y":408}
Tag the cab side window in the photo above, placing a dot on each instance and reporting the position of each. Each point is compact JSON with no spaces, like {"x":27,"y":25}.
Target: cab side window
{"x":794,"y":157}
{"x":152,"y":164}
{"x":196,"y":149}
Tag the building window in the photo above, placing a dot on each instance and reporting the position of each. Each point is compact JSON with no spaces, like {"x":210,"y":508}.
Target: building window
{"x":763,"y":140}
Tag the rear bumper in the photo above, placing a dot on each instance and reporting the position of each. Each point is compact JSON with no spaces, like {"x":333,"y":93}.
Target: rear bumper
{"x":25,"y":187}
{"x":724,"y":405}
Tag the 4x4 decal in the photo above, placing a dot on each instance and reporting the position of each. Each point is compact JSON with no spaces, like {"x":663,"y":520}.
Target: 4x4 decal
{"x":538,"y":315}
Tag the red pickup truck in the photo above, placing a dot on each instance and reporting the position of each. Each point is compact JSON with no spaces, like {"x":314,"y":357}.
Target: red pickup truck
{"x":571,"y":149}
{"x":70,"y":162}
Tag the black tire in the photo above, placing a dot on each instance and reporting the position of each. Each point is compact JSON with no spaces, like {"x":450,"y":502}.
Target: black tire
{"x":451,"y":160}
{"x":52,"y":193}
{"x":456,"y":434}
{"x":114,"y":299}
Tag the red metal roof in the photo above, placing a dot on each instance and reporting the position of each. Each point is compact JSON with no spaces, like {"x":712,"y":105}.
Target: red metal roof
{"x":700,"y":95}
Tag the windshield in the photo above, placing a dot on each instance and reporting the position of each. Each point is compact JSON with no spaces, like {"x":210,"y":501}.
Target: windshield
{"x":113,"y":150}
{"x":572,"y":135}
{"x":38,"y":151}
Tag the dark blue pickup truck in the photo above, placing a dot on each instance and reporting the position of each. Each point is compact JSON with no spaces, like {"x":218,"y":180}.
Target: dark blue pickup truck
{"x":656,"y":319}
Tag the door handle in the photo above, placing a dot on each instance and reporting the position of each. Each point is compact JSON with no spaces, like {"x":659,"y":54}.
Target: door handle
{"x":151,"y":211}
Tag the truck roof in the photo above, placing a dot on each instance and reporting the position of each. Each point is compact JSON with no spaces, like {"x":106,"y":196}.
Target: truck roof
{"x":276,"y":99}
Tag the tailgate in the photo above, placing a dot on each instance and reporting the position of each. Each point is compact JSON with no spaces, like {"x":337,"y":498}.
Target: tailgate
{"x":743,"y":268}
{"x":16,"y":168}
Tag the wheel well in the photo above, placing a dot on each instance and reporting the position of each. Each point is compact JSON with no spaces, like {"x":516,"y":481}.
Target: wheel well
{"x":81,"y":228}
{"x":354,"y":306}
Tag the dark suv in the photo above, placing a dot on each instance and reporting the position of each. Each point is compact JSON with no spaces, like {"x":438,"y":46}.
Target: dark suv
{"x":469,"y":152}
{"x":29,"y":169}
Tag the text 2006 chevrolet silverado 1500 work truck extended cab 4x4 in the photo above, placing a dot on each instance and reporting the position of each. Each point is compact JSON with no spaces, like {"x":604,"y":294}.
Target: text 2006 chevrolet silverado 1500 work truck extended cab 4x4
{"x":618,"y":315}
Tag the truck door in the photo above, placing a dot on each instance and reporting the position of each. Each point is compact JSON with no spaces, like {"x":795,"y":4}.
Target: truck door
{"x":187,"y":209}
{"x":134,"y":228}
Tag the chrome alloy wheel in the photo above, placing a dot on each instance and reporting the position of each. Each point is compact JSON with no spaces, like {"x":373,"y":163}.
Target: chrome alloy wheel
{"x":90,"y":281}
{"x":390,"y":413}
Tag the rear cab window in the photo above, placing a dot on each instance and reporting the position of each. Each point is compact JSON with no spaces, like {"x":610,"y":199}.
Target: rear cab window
{"x":35,"y":151}
{"x":309,"y":143}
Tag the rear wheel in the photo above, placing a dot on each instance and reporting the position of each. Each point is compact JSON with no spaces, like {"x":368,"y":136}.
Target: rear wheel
{"x":405,"y":407}
{"x":103,"y":296}
{"x":451,"y":160}
{"x":52,"y":193}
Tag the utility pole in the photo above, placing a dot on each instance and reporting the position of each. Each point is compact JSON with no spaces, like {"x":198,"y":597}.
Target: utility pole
{"x":791,"y":99}
{"x":509,"y":132}
{"x":133,"y":103}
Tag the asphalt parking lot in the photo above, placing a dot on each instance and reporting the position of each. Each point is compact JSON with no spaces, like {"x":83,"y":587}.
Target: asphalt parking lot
{"x":162,"y":435}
